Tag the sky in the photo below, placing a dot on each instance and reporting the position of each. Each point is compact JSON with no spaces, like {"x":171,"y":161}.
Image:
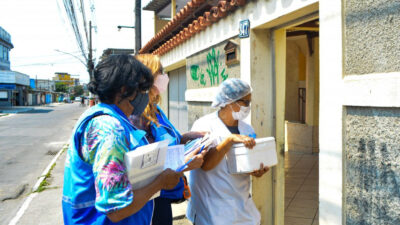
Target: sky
{"x":40,"y":27}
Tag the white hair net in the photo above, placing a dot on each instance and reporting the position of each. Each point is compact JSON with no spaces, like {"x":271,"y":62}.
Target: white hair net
{"x":230,"y":91}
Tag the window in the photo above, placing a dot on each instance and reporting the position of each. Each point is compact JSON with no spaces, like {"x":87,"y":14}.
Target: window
{"x":3,"y":95}
{"x":6,"y":54}
{"x":231,"y":53}
{"x":1,"y":51}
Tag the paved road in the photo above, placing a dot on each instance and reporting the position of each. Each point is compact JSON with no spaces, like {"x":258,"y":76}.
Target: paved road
{"x":28,"y":142}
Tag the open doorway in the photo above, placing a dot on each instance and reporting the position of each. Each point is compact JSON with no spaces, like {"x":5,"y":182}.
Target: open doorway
{"x":301,"y":123}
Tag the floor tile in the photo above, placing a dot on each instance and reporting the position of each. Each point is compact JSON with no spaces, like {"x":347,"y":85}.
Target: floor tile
{"x":290,"y":194}
{"x":311,"y":182}
{"x":287,"y":201}
{"x":301,"y":178}
{"x":307,"y":195}
{"x":294,"y":180}
{"x":297,"y":221}
{"x":304,"y":203}
{"x":308,"y":213}
{"x":310,"y":188}
{"x":292,"y":186}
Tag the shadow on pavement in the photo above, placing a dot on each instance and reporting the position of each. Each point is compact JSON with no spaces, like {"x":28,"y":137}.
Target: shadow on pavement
{"x":33,"y":111}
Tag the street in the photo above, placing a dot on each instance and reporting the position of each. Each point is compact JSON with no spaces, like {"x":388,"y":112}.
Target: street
{"x":28,"y":142}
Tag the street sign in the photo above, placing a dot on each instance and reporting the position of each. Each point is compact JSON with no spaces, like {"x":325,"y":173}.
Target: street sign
{"x":244,"y":29}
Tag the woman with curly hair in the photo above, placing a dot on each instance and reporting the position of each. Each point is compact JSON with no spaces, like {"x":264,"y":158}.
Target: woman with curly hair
{"x":158,"y":128}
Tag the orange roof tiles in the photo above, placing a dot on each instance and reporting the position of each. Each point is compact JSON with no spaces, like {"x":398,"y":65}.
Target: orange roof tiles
{"x":202,"y":22}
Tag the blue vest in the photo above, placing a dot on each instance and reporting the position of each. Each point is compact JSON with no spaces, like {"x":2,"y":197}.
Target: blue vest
{"x":166,"y":131}
{"x":79,"y":193}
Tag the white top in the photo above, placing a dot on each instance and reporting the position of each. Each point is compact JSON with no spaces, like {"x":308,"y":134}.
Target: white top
{"x":218,"y":197}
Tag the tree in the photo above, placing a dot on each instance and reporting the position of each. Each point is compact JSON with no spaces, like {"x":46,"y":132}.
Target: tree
{"x":78,"y":90}
{"x":61,"y":87}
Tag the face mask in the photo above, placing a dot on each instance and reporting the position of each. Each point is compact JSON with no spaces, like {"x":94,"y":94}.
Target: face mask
{"x":139,"y":103}
{"x":161,"y":83}
{"x":242,"y":114}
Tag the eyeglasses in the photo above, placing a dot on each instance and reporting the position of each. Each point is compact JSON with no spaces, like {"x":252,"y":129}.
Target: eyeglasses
{"x":245,"y":102}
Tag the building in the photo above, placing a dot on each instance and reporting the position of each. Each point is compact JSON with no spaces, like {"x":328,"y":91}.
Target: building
{"x":325,"y":76}
{"x":13,"y":85}
{"x":113,"y":51}
{"x":45,"y":85}
{"x":65,"y":78}
{"x":5,"y":47}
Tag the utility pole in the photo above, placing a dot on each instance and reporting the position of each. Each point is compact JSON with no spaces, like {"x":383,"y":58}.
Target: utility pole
{"x":138,"y":26}
{"x":90,"y":57}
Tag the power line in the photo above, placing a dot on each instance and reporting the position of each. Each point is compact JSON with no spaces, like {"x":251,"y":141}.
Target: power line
{"x":39,"y":56}
{"x":84,"y":19}
{"x":45,"y":64}
{"x":70,"y":10}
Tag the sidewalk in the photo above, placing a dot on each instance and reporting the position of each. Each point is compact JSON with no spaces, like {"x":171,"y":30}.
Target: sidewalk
{"x":22,"y":109}
{"x":15,"y":109}
{"x":45,"y":208}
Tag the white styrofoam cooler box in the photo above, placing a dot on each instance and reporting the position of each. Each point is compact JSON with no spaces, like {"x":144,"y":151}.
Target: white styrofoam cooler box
{"x":243,"y":160}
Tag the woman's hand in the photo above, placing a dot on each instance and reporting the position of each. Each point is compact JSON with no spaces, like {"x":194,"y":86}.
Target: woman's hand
{"x":258,"y":173}
{"x":197,"y":161}
{"x":186,"y":137}
{"x":169,"y":179}
{"x":247,"y":141}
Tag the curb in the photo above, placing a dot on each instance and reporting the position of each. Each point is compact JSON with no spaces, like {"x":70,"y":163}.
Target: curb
{"x":46,"y":171}
{"x":33,"y":194}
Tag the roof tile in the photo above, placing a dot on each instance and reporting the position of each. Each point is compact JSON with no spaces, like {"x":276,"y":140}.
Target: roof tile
{"x":202,"y":22}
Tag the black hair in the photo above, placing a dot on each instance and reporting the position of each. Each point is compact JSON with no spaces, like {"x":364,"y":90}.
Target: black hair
{"x":117,"y":71}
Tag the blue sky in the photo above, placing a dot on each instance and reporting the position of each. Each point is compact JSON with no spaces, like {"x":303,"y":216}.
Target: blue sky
{"x":39,"y":27}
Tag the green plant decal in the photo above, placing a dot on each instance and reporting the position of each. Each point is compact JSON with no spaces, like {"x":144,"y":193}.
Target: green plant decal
{"x":193,"y":72}
{"x":213,"y":70}
{"x":197,"y":73}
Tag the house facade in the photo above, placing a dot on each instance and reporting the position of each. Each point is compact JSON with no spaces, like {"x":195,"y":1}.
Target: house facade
{"x":325,"y":78}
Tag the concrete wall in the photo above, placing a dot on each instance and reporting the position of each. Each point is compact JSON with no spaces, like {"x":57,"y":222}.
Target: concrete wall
{"x":261,"y":13}
{"x":299,"y":137}
{"x":359,"y":111}
{"x":299,"y":73}
{"x":372,"y":173}
{"x":205,"y":70}
{"x":331,"y":112}
{"x":296,"y":52}
{"x":197,"y":110}
{"x":372,"y":35}
{"x":372,"y":189}
{"x":256,"y":67}
{"x":208,"y":68}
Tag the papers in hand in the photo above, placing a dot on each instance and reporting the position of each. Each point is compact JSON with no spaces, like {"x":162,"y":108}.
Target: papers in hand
{"x":243,"y":160}
{"x":175,"y":157}
{"x":145,"y":163}
{"x":207,"y":141}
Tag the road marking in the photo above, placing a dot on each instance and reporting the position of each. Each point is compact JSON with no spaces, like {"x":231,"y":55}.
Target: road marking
{"x":31,"y":196}
{"x":21,"y":211}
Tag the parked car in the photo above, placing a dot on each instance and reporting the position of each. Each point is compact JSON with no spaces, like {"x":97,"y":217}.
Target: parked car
{"x":77,"y":99}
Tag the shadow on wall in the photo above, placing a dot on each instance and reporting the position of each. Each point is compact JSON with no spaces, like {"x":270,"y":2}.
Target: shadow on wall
{"x":286,"y":3}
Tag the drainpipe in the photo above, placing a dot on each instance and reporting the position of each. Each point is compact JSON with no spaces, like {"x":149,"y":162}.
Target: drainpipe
{"x":138,"y":26}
